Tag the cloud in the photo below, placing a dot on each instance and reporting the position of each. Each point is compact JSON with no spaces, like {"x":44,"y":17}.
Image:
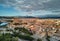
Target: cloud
{"x":52,"y":5}
{"x":27,"y":5}
{"x":32,"y":5}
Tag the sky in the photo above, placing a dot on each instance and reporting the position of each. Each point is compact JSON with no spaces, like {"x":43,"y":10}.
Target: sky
{"x":29,"y":7}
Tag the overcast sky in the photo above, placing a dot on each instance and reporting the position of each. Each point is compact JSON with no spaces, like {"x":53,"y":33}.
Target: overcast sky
{"x":29,"y":7}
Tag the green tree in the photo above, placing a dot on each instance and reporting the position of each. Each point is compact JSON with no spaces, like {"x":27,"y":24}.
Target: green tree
{"x":39,"y":39}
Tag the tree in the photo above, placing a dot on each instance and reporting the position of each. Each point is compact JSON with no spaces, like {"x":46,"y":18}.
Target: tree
{"x":39,"y":39}
{"x":24,"y":31}
{"x":7,"y":37}
{"x":47,"y":37}
{"x":26,"y":36}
